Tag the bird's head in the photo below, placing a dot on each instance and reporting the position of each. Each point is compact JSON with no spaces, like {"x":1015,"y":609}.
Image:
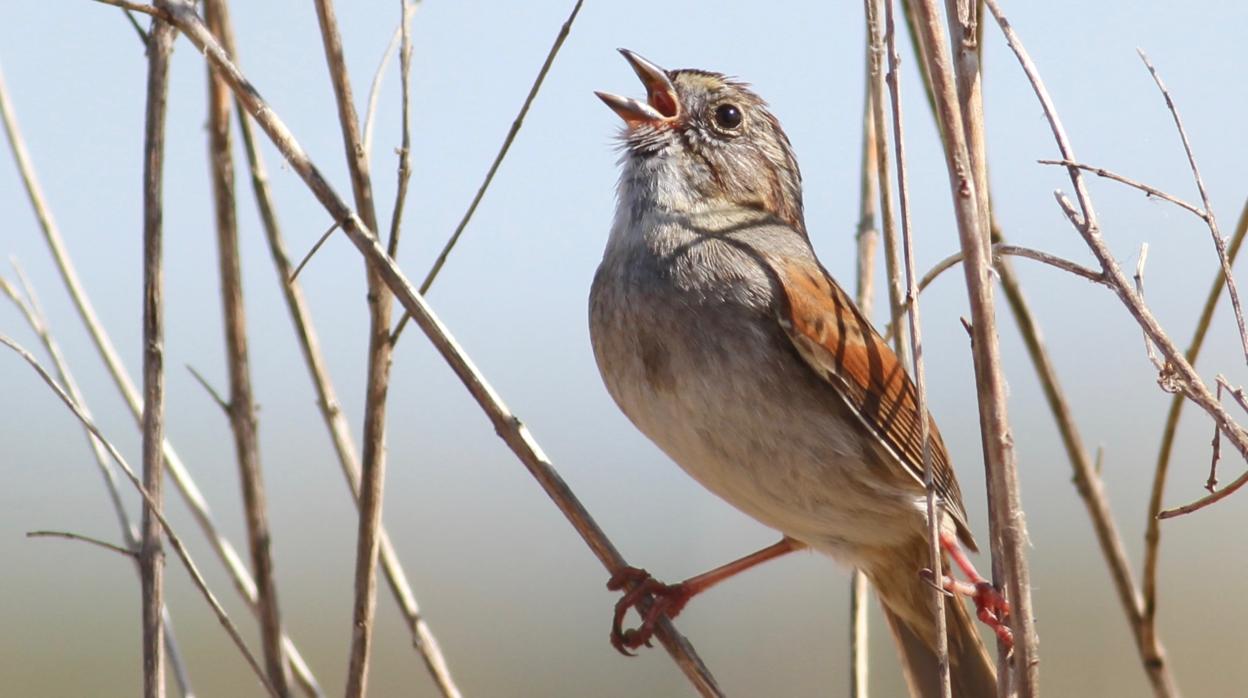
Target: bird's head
{"x":701,"y":141}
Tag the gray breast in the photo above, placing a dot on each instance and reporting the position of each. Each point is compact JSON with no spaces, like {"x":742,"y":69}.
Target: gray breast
{"x":686,"y":339}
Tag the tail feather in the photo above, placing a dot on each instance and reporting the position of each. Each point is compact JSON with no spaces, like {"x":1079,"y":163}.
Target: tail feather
{"x":907,"y":606}
{"x":971,"y":671}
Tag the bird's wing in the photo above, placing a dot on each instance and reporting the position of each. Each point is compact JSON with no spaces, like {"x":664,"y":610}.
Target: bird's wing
{"x":834,"y":339}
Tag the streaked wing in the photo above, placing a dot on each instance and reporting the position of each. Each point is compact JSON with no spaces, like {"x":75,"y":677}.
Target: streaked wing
{"x":835,"y":340}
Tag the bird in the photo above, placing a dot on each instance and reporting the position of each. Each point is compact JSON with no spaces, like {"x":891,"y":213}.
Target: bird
{"x":725,"y":341}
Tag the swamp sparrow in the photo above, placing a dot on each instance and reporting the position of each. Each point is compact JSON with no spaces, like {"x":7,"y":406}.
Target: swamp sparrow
{"x":721,"y":336}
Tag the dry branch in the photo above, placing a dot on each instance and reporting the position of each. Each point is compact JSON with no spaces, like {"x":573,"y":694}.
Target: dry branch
{"x":1149,"y":190}
{"x":509,"y":428}
{"x":1219,"y":242}
{"x":934,"y":511}
{"x":1152,"y":534}
{"x":866,"y":237}
{"x":1178,"y":373}
{"x":373,"y":464}
{"x":186,"y":485}
{"x":892,"y":254}
{"x":35,"y":317}
{"x":1088,"y":484}
{"x":327,"y":401}
{"x":241,"y":407}
{"x":1008,"y":534}
{"x":150,"y":504}
{"x":151,"y":554}
{"x":498,"y":160}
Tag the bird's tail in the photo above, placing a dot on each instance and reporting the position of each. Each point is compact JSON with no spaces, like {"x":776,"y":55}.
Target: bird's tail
{"x":907,"y":606}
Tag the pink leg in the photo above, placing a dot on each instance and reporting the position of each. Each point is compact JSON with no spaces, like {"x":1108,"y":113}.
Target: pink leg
{"x":670,"y":599}
{"x":990,"y":605}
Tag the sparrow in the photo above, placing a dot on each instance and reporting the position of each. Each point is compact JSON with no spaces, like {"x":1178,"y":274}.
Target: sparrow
{"x":724,"y":340}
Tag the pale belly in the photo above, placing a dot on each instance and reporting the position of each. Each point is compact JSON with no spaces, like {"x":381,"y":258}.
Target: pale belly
{"x":747,"y":420}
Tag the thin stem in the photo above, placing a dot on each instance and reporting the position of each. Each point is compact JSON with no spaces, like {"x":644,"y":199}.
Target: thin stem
{"x":1122,"y":179}
{"x":339,"y":429}
{"x":242,"y":411}
{"x":182,"y":478}
{"x":35,"y":317}
{"x":290,"y":279}
{"x":1088,"y":484}
{"x":506,"y":424}
{"x":866,"y":238}
{"x":151,"y":554}
{"x":1152,"y":532}
{"x":151,"y":505}
{"x":1179,"y":372}
{"x":1219,"y":242}
{"x":934,"y":512}
{"x":892,"y":254}
{"x":1001,"y":250}
{"x":1008,"y":535}
{"x":372,"y":474}
{"x":562,"y":36}
{"x":125,"y":552}
{"x":374,"y":88}
{"x":404,"y":173}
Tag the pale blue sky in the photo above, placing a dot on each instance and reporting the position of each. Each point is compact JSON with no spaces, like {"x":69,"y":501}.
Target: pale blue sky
{"x":515,"y":597}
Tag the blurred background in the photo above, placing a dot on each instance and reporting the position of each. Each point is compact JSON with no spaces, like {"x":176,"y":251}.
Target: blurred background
{"x":514,"y":596}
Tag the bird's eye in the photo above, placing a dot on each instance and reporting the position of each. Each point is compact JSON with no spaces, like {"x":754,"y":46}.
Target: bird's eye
{"x":728,"y":116}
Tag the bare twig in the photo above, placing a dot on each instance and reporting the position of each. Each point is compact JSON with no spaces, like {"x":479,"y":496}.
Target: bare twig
{"x":962,"y":18}
{"x":290,"y":279}
{"x":1211,"y":483}
{"x":212,"y":392}
{"x":423,"y":638}
{"x":1008,"y":535}
{"x":1152,"y":533}
{"x":84,"y":539}
{"x":138,"y":28}
{"x":498,"y":160}
{"x":865,"y":237}
{"x":186,"y":485}
{"x":1149,"y":190}
{"x":136,"y":7}
{"x":934,"y":511}
{"x":35,"y":317}
{"x":30,"y":309}
{"x":892,"y":254}
{"x":241,"y":407}
{"x":1084,"y":221}
{"x":859,"y":593}
{"x":151,"y":505}
{"x":1001,"y":250}
{"x":404,"y":174}
{"x":151,"y":554}
{"x":373,"y":465}
{"x":1087,"y":472}
{"x":1219,"y":242}
{"x":509,"y":428}
{"x":1089,"y":485}
{"x":374,"y":88}
{"x":1238,"y":393}
{"x":1139,"y":289}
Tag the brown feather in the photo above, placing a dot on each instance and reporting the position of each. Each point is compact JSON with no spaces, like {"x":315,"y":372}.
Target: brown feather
{"x":842,"y":347}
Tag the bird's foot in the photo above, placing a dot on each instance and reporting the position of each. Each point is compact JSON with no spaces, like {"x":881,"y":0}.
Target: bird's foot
{"x":990,"y":605}
{"x":652,"y":599}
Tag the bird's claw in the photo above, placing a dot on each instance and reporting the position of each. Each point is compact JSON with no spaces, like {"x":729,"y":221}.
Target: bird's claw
{"x":992,"y":609}
{"x":653,"y":600}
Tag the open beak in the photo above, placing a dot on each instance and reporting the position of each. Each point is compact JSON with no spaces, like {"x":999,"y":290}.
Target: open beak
{"x":662,"y":104}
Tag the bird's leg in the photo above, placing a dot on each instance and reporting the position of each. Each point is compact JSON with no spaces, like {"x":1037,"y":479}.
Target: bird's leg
{"x":990,"y":605}
{"x":668,"y":600}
